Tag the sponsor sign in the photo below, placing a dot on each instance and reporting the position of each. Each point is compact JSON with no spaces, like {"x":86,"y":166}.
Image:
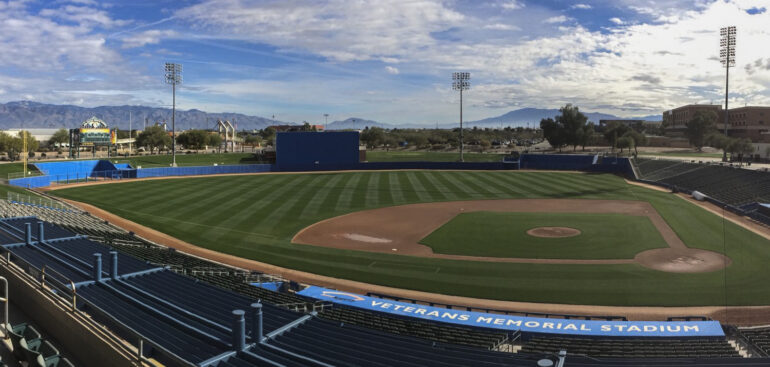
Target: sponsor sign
{"x":524,"y":324}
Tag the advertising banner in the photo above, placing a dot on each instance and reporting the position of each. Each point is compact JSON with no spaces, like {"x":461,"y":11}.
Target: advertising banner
{"x":525,"y":324}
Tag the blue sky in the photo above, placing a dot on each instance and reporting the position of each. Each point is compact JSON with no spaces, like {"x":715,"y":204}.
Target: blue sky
{"x":389,"y":61}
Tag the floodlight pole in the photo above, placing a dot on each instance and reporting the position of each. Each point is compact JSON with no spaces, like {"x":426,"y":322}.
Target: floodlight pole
{"x":460,"y":82}
{"x":173,"y":125}
{"x":173,"y":77}
{"x":727,"y":57}
{"x":326,"y":120}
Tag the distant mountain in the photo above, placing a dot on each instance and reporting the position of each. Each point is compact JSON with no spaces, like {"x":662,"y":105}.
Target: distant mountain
{"x":40,"y":115}
{"x":522,"y":117}
{"x":356,"y":123}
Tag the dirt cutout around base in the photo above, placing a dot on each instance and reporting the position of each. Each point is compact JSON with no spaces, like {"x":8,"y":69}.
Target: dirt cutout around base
{"x":553,"y":232}
{"x":398,"y":229}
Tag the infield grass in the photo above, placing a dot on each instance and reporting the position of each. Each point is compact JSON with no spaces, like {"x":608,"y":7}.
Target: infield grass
{"x":495,"y":234}
{"x":256,"y":216}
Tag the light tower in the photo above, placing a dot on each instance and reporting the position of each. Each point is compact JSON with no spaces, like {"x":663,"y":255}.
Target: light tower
{"x":461,"y":82}
{"x":727,"y":57}
{"x":173,"y":74}
{"x":326,"y":120}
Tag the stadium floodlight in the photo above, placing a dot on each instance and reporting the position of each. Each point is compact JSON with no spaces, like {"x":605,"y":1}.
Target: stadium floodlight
{"x":727,"y":58}
{"x":326,"y":120}
{"x":461,"y":82}
{"x":173,"y":74}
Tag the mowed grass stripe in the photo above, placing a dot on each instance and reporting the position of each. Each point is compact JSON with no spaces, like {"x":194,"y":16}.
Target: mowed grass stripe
{"x":407,"y":189}
{"x":286,"y":213}
{"x":495,"y":185}
{"x":449,"y":183}
{"x":440,"y":187}
{"x":485,"y":190}
{"x":279,"y":200}
{"x":315,"y":204}
{"x":507,"y":179}
{"x":253,"y":205}
{"x":373,"y":190}
{"x":359,"y":197}
{"x":418,"y":188}
{"x":229,"y":195}
{"x":346,"y":194}
{"x":213,"y":208}
{"x":384,"y":194}
{"x":457,"y":181}
{"x":434,"y":191}
{"x":395,"y":188}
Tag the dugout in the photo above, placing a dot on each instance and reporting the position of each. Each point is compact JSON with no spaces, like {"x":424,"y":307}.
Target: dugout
{"x":764,"y":209}
{"x":307,"y":151}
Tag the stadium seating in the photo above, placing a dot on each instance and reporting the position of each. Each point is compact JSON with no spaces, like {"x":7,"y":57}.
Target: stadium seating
{"x":354,"y":346}
{"x":421,"y":329}
{"x":728,"y":185}
{"x":632,"y":348}
{"x":28,"y":346}
{"x":191,"y":316}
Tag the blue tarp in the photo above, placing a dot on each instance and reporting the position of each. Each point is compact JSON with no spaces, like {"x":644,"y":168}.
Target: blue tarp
{"x":524,"y":324}
{"x":273,"y":286}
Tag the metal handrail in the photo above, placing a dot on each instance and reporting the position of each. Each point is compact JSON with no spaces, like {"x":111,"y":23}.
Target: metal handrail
{"x":5,"y":301}
{"x":64,"y":286}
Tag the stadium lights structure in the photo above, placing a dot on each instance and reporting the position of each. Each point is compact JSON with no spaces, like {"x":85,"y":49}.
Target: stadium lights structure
{"x":173,"y":74}
{"x":326,"y":120}
{"x":461,"y":82}
{"x":727,"y":58}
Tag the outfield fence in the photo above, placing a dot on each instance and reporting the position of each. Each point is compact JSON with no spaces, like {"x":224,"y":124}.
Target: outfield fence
{"x":122,"y":174}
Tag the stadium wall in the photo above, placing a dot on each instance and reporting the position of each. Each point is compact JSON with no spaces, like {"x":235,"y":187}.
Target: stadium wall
{"x":306,"y":149}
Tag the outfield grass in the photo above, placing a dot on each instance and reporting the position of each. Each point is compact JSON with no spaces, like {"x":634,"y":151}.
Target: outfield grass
{"x":256,"y":216}
{"x":495,"y":234}
{"x":422,"y":156}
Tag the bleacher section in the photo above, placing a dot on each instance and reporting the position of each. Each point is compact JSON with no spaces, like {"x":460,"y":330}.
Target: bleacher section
{"x":632,"y":348}
{"x":190,"y":316}
{"x":759,"y":338}
{"x":349,"y":345}
{"x":731,"y":186}
{"x":421,"y":329}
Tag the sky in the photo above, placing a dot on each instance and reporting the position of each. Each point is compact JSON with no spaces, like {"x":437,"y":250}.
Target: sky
{"x":384,"y":60}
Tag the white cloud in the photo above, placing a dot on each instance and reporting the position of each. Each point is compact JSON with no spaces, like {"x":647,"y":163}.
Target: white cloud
{"x":617,"y":21}
{"x":511,"y":4}
{"x":391,"y":70}
{"x":556,"y":19}
{"x":153,"y":36}
{"x":502,"y":27}
{"x":581,"y":6}
{"x":337,"y":29}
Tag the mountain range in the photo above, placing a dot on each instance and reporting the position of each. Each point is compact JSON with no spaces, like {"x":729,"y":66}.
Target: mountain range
{"x":39,"y":115}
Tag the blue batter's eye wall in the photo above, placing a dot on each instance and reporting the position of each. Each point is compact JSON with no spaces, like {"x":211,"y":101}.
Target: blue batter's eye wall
{"x":313,"y":150}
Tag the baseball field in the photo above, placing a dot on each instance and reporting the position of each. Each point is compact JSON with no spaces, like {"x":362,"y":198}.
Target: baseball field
{"x":478,"y":247}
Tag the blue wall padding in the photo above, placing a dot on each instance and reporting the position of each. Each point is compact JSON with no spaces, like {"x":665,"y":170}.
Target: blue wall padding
{"x":301,"y":149}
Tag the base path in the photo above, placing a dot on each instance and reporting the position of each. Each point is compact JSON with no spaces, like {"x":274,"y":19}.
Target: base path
{"x":398,"y":230}
{"x":733,"y":315}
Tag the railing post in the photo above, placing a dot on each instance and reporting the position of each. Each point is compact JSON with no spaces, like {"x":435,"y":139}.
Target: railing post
{"x":40,"y":230}
{"x":114,"y":264}
{"x":256,"y":319}
{"x":28,"y":233}
{"x":97,"y":267}
{"x":239,"y":330}
{"x":140,"y":351}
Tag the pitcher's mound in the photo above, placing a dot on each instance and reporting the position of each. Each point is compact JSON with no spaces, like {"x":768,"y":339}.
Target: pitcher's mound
{"x":553,"y":232}
{"x":688,"y":260}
